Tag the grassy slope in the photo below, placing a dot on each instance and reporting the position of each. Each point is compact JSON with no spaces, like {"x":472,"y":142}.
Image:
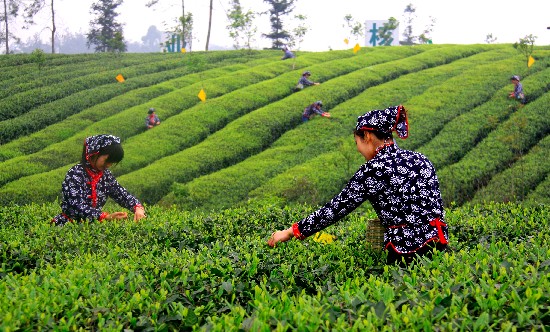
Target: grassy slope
{"x":448,"y":102}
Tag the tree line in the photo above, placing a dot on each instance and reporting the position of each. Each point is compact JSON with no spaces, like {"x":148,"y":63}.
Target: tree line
{"x":106,"y":33}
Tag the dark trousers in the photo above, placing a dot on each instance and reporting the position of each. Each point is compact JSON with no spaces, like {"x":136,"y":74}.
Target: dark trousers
{"x":405,"y":259}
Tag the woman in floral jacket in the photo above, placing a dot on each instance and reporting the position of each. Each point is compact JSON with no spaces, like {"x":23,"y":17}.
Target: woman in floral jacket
{"x":401,"y":185}
{"x":88,"y":185}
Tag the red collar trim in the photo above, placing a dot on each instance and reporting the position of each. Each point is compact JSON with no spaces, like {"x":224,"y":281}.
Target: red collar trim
{"x":95,"y":179}
{"x":381,"y":147}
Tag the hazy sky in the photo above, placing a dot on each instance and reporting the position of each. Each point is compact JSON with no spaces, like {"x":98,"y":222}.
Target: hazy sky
{"x":457,"y":22}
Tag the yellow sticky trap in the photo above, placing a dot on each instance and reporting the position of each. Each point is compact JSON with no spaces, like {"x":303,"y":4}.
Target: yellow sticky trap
{"x":120,"y":78}
{"x":183,"y":50}
{"x":324,"y":238}
{"x":202,"y":95}
{"x":346,"y":41}
{"x":356,"y":48}
{"x":530,"y":62}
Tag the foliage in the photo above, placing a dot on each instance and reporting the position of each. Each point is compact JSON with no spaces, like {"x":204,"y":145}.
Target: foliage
{"x":449,"y":146}
{"x":241,"y":27}
{"x":462,"y":179}
{"x":11,"y":11}
{"x":456,"y":97}
{"x":409,"y":17}
{"x":425,"y":36}
{"x":355,"y":28}
{"x":153,"y":38}
{"x":408,"y":33}
{"x":186,"y":23}
{"x":105,"y":32}
{"x":516,"y":182}
{"x":32,"y":9}
{"x":101,"y":116}
{"x":39,"y":58}
{"x":279,"y":9}
{"x":490,"y":39}
{"x":386,"y":31}
{"x":525,"y":46}
{"x":298,"y":32}
{"x":242,"y":163}
{"x":275,"y":171}
{"x":213,"y":271}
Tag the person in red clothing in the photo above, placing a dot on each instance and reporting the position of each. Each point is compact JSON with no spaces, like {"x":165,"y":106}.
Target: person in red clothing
{"x":88,"y":184}
{"x":401,"y":185}
{"x":152,"y":119}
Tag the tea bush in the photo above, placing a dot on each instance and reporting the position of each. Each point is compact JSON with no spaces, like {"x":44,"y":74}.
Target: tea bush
{"x":509,"y":141}
{"x":213,"y":271}
{"x":523,"y":176}
{"x":252,"y":132}
{"x":307,"y":141}
{"x":469,"y":129}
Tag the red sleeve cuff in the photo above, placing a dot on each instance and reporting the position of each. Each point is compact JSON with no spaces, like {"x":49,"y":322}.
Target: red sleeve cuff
{"x":296,"y":232}
{"x":102,"y":216}
{"x":138,"y":206}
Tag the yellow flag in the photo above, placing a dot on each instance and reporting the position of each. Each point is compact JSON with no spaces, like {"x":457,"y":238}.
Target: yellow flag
{"x":324,"y":238}
{"x":202,"y":95}
{"x":346,"y":41}
{"x":120,"y":78}
{"x":530,"y":62}
{"x":356,"y":48}
{"x":183,"y":50}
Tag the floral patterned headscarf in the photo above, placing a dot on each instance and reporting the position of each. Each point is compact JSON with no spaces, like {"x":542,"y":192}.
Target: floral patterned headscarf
{"x":391,"y":119}
{"x":94,"y":143}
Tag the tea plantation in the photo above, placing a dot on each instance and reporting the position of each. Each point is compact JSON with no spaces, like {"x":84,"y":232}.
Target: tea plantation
{"x":213,"y":271}
{"x":217,"y":177}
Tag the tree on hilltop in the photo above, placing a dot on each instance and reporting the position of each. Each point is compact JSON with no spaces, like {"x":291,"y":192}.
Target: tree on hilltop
{"x":385,"y":33}
{"x":279,"y":8}
{"x":11,"y":9}
{"x":409,"y":15}
{"x":355,"y":28}
{"x":105,"y":32}
{"x":240,"y":25}
{"x":33,"y":8}
{"x":525,"y":46}
{"x":153,"y":38}
{"x":184,"y":25}
{"x":408,"y":35}
{"x":299,"y":31}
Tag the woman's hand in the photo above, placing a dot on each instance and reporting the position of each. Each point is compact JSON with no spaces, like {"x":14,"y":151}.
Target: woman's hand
{"x":117,"y":216}
{"x":280,"y":236}
{"x":139,"y":213}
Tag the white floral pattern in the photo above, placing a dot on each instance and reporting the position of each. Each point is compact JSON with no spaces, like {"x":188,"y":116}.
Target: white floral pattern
{"x":81,"y":203}
{"x":403,"y":188}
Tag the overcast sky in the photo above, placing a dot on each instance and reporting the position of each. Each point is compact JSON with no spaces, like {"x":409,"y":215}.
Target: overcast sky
{"x":457,"y":22}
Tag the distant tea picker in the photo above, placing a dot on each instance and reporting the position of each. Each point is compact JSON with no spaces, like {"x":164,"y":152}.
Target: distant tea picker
{"x":304,"y":81}
{"x":518,"y":93}
{"x":287,"y":54}
{"x":401,"y":185}
{"x":152,"y":119}
{"x":313,"y":109}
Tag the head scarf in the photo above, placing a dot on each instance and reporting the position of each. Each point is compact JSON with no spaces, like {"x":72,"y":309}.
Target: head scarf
{"x":94,"y":143}
{"x":391,"y":119}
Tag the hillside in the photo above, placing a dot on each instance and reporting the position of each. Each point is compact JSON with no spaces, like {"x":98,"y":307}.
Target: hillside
{"x":246,"y":141}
